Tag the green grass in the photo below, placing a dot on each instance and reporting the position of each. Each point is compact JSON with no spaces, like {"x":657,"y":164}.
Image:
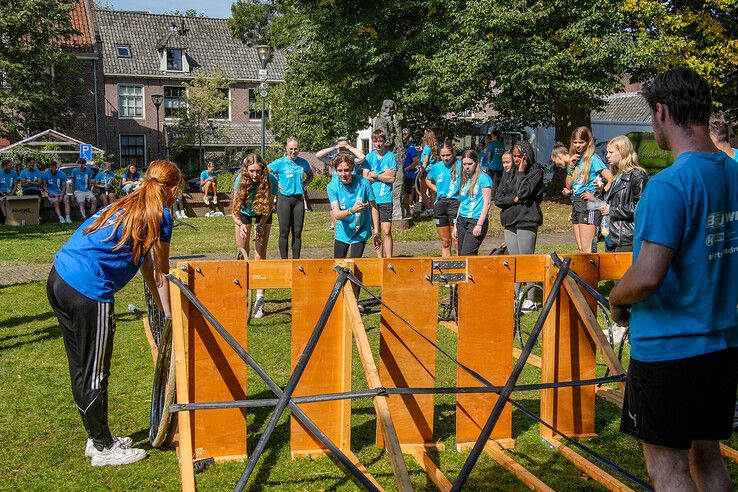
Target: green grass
{"x":38,"y":244}
{"x":43,"y":437}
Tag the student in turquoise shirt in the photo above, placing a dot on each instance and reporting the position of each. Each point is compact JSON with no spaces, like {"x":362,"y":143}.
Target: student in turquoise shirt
{"x":493,"y":154}
{"x":475,"y":195}
{"x":293,"y":173}
{"x":209,"y":184}
{"x":354,"y":208}
{"x":84,"y":178}
{"x":30,"y":179}
{"x":55,"y":182}
{"x":720,"y":133}
{"x":443,"y":179}
{"x":105,"y":181}
{"x":8,"y":183}
{"x":428,"y":157}
{"x":381,"y":170}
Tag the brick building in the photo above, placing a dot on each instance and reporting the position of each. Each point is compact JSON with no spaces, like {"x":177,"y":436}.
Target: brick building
{"x":145,"y":54}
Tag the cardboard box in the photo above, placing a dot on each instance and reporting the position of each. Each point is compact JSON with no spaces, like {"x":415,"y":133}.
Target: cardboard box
{"x":22,"y":210}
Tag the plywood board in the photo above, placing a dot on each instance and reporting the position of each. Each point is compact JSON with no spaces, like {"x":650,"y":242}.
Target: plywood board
{"x":406,"y":359}
{"x":485,"y":343}
{"x":269,"y":274}
{"x":568,"y":355}
{"x":217,"y":373}
{"x":312,"y":282}
{"x":614,"y":265}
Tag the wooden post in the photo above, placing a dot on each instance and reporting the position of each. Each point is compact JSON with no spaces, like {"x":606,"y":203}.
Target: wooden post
{"x":217,"y":372}
{"x":568,"y":355}
{"x":594,"y":471}
{"x":485,"y":345}
{"x":327,"y":371}
{"x":180,"y":322}
{"x":406,"y":359}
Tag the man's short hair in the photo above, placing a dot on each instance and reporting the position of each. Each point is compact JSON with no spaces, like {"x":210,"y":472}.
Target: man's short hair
{"x":685,"y":93}
{"x":379,"y":135}
{"x":30,"y":159}
{"x":81,"y":160}
{"x":7,"y":161}
{"x":719,"y":128}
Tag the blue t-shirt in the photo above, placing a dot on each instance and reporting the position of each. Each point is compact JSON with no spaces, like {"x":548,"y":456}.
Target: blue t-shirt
{"x":247,"y":206}
{"x":30,"y":176}
{"x":410,"y":153}
{"x":692,"y":208}
{"x":90,"y":264}
{"x":206,"y":175}
{"x":131,"y":177}
{"x":440,"y":174}
{"x":483,"y":163}
{"x":472,"y":204}
{"x":7,"y":180}
{"x":356,"y":228}
{"x":595,"y":167}
{"x":377,"y":164}
{"x":82,"y":179}
{"x":54,"y":182}
{"x":497,"y":149}
{"x":290,"y":174}
{"x":426,"y":152}
{"x":735,"y":155}
{"x":105,"y":178}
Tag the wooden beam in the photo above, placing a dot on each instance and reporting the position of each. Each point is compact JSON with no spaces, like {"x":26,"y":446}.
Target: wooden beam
{"x":613,"y":396}
{"x":180,"y":319}
{"x":450,"y":326}
{"x":589,"y":320}
{"x":533,"y":360}
{"x":381,"y":405}
{"x":614,"y":265}
{"x":427,"y":464}
{"x":531,"y":481}
{"x":150,"y":338}
{"x":594,"y":471}
{"x":355,"y":460}
{"x":729,"y":452}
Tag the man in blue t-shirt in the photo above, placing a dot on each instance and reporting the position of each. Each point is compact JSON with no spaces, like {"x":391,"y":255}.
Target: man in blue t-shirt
{"x":495,"y":150}
{"x":410,"y":173}
{"x":30,"y":179}
{"x":84,"y":179}
{"x":381,"y":169}
{"x":682,"y":288}
{"x":8,"y":183}
{"x":55,"y":183}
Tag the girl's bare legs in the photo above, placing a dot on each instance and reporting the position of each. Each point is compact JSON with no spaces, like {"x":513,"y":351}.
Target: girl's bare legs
{"x":586,"y":236}
{"x":444,"y":232}
{"x":260,"y":253}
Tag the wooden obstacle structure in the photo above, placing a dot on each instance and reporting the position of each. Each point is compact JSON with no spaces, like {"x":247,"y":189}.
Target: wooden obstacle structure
{"x":209,"y":370}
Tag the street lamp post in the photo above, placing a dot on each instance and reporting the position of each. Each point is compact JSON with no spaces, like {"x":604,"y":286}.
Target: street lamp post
{"x":157,"y":100}
{"x":265,"y":54}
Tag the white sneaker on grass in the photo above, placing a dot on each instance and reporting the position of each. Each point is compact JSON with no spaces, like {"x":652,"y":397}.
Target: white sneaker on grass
{"x":182,"y":215}
{"x":528,"y":306}
{"x":61,"y":220}
{"x":206,"y":199}
{"x":117,"y":455}
{"x":259,"y":308}
{"x":68,"y":219}
{"x":124,"y":441}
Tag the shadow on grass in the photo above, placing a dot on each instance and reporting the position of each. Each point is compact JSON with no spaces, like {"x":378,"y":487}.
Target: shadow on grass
{"x":21,"y":339}
{"x":17,"y":321}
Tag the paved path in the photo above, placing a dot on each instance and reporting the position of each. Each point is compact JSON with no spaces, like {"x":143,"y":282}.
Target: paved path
{"x":33,"y":272}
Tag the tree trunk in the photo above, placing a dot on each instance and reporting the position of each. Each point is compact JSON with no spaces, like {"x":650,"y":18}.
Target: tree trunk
{"x":568,"y":117}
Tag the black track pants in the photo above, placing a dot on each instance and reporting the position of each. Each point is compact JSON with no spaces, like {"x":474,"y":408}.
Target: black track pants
{"x":291,"y":213}
{"x":87,"y":327}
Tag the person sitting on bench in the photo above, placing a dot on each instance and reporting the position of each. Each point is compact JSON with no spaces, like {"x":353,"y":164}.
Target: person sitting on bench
{"x":55,"y":183}
{"x":83,"y":178}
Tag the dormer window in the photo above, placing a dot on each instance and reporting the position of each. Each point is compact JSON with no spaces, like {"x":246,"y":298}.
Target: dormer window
{"x":174,"y":60}
{"x":123,"y":50}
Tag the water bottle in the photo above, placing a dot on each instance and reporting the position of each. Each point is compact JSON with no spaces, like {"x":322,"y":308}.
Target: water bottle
{"x":132,"y":308}
{"x":605,"y":226}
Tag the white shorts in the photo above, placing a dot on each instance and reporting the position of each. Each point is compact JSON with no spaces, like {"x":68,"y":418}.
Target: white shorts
{"x":82,"y":196}
{"x":55,"y":198}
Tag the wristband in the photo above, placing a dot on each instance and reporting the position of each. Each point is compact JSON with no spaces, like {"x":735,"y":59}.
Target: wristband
{"x":569,"y":171}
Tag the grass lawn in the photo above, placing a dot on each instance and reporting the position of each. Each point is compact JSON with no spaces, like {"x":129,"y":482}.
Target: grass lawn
{"x":38,"y":244}
{"x":43,"y":436}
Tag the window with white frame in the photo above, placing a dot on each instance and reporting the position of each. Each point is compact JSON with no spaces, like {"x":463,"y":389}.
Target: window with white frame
{"x":174,"y":60}
{"x":130,"y":101}
{"x":225,"y":114}
{"x":174,"y":102}
{"x":132,"y":150}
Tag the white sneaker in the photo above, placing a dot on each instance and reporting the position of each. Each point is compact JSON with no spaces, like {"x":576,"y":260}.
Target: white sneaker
{"x":68,"y":219}
{"x":618,"y":333}
{"x":117,"y":455}
{"x":528,"y":306}
{"x":206,"y":199}
{"x":215,"y":200}
{"x":176,"y":214}
{"x":124,"y":442}
{"x":208,"y":214}
{"x":182,"y":215}
{"x":259,"y":308}
{"x":62,"y":221}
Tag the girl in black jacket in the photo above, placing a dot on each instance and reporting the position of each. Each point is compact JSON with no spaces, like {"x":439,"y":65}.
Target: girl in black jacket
{"x":624,"y":193}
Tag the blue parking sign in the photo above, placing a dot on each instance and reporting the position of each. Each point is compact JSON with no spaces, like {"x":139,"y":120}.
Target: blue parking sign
{"x":85,"y":151}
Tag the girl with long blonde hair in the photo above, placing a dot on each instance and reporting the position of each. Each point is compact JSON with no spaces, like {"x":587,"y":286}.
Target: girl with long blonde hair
{"x":624,"y":194}
{"x":443,"y":179}
{"x":100,"y":258}
{"x":587,"y":175}
{"x":253,"y":199}
{"x":475,"y":195}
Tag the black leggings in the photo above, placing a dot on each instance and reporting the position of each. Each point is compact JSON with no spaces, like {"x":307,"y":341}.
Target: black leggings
{"x":341,"y":249}
{"x":291,"y":213}
{"x":87,"y":327}
{"x":469,"y":243}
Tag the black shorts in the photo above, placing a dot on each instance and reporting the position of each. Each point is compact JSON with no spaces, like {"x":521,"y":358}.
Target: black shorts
{"x":580,"y":214}
{"x":445,"y":211}
{"x":408,"y":184}
{"x":248,"y":219}
{"x":672,"y":403}
{"x":31,"y":192}
{"x":385,"y":212}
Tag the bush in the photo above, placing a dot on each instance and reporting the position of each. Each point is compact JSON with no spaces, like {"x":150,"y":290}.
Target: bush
{"x":225,"y":182}
{"x":320,"y":182}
